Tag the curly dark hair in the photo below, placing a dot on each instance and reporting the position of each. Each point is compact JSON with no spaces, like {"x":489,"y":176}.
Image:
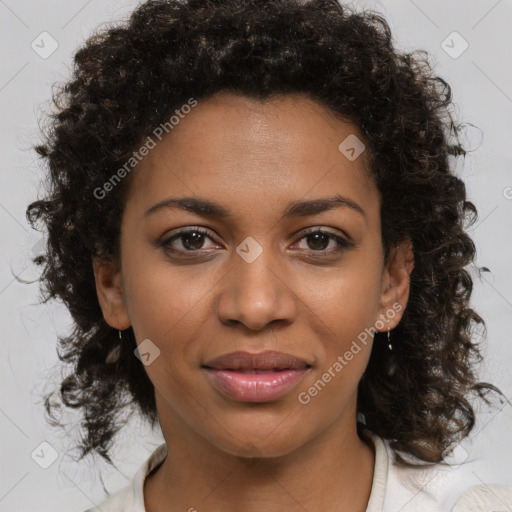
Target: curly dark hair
{"x":130,"y":77}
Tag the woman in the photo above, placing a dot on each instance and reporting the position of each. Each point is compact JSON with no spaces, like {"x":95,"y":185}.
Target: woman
{"x":254,"y":223}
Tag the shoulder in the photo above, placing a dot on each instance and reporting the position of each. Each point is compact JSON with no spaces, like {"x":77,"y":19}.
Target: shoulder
{"x":448,"y":487}
{"x":113,"y":503}
{"x":484,"y":497}
{"x":131,"y":497}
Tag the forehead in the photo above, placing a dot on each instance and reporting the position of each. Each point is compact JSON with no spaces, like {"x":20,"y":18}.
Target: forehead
{"x":254,"y":154}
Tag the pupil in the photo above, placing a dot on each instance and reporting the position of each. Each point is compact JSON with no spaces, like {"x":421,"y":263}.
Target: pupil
{"x":197,"y":238}
{"x":318,"y":237}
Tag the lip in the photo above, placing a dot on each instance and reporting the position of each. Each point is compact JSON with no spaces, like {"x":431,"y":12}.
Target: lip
{"x":260,"y":377}
{"x":268,"y":360}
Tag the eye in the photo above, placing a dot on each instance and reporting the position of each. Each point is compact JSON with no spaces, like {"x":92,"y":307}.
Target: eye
{"x":191,"y":240}
{"x":318,"y":241}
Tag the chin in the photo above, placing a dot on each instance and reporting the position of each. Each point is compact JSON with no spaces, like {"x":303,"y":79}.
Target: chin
{"x":250,"y":444}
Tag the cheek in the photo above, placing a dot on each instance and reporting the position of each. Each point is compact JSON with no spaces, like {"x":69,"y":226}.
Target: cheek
{"x":347,"y":300}
{"x":163,"y":306}
{"x":343,"y":310}
{"x":344,"y":318}
{"x":163,"y":302}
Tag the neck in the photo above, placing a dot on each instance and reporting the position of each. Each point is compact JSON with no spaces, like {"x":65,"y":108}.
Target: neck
{"x":331,"y":472}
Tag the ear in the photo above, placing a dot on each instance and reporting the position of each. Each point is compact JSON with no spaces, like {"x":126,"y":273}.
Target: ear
{"x":107,"y":275}
{"x":395,"y":284}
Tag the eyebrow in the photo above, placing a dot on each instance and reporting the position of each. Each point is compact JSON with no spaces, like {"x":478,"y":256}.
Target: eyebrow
{"x":212,"y":209}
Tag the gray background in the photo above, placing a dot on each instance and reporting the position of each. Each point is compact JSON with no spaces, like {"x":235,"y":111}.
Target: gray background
{"x":481,"y":79}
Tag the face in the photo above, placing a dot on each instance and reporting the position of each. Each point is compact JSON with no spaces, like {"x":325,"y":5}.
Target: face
{"x":272,"y":267}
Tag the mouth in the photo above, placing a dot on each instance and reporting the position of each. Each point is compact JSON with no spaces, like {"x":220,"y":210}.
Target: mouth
{"x":246,"y":361}
{"x":248,"y":377}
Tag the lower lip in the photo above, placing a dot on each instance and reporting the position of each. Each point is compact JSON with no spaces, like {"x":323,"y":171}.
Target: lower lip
{"x":255,"y":387}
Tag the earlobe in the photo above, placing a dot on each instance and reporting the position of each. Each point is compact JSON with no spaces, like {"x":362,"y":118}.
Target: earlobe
{"x":396,"y":283}
{"x":109,"y":290}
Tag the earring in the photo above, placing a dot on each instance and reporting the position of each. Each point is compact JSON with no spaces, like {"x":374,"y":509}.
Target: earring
{"x":120,"y":335}
{"x":389,"y":341}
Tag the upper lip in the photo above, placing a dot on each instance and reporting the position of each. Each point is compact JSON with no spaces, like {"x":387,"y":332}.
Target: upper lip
{"x":268,"y":360}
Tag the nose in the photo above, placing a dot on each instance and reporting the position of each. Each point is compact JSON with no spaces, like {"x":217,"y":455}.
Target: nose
{"x":256,"y":294}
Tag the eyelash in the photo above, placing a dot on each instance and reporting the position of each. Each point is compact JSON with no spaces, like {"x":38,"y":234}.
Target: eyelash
{"x":342,"y":243}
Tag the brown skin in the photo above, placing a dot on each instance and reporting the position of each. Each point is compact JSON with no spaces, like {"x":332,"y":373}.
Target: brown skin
{"x":255,"y":158}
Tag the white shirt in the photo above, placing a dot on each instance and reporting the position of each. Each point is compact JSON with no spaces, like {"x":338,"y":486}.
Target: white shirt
{"x":440,"y":488}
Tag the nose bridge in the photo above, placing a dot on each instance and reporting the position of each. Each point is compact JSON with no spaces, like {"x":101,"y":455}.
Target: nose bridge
{"x":255,"y":292}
